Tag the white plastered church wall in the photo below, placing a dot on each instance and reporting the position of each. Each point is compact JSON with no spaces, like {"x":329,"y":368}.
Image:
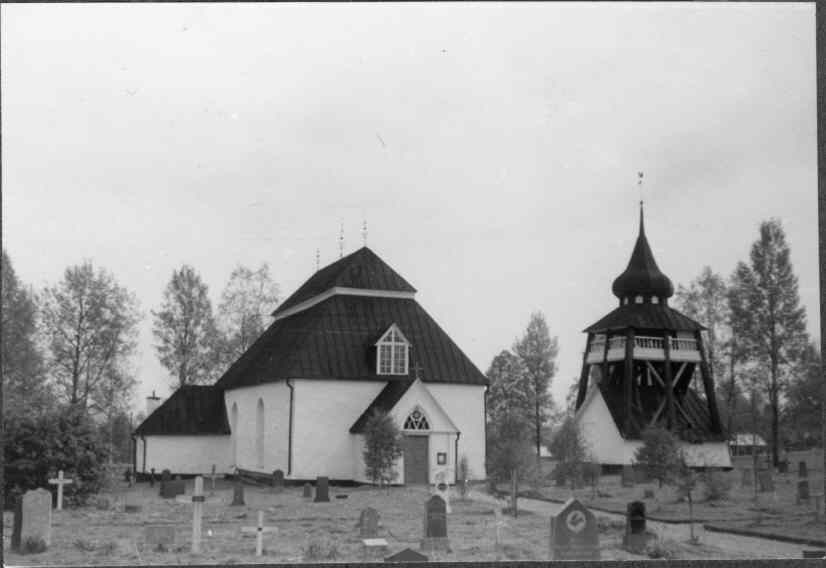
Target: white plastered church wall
{"x":465,"y":404}
{"x":324,"y":411}
{"x":184,"y":454}
{"x":607,"y":446}
{"x":245,"y":442}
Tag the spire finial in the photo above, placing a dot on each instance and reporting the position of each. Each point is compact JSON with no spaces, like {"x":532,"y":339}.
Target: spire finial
{"x":317,"y":259}
{"x":364,"y":233}
{"x":341,"y":240}
{"x":639,"y":186}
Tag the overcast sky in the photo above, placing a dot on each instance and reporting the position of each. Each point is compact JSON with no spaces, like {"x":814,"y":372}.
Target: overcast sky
{"x":491,"y":148}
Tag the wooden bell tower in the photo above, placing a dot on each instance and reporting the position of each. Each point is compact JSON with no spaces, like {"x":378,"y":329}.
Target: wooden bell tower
{"x":648,"y":360}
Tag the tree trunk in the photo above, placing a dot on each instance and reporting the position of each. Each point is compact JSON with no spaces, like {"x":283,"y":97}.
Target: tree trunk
{"x":774,"y":399}
{"x":514,"y":492}
{"x":538,"y":430}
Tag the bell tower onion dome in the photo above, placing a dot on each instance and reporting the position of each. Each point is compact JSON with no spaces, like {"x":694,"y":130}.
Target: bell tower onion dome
{"x":642,"y":280}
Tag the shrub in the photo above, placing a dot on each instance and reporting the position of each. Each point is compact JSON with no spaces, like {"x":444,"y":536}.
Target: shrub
{"x":661,"y":549}
{"x":382,"y":447}
{"x":316,"y":550}
{"x":717,"y":486}
{"x":38,"y":446}
{"x":32,"y":545}
{"x":659,"y":455}
{"x":568,"y":448}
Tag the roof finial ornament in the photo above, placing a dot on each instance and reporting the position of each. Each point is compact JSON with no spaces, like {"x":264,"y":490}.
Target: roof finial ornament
{"x":364,"y":233}
{"x":639,"y":186}
{"x":341,"y":240}
{"x":317,"y":259}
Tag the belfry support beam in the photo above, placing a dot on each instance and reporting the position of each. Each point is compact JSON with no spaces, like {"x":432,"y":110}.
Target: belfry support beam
{"x":583,"y":377}
{"x":669,"y":390}
{"x":708,"y":385}
{"x":628,"y":377}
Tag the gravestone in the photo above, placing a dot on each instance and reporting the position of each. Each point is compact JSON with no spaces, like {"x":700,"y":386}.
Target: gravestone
{"x":627,"y":476}
{"x":60,"y":481}
{"x":152,"y":477}
{"x":278,"y":480}
{"x":802,"y":469}
{"x":783,"y":466}
{"x":172,"y":488}
{"x":435,"y":525}
{"x":237,"y":494}
{"x":369,"y":523}
{"x":441,"y":487}
{"x":635,"y":538}
{"x":166,"y":475}
{"x":574,"y":533}
{"x":407,"y":555}
{"x":802,"y":491}
{"x":308,"y":490}
{"x":748,"y":477}
{"x":648,"y":494}
{"x":765,"y":481}
{"x":36,"y":516}
{"x":197,"y":500}
{"x":159,"y":537}
{"x":322,"y":490}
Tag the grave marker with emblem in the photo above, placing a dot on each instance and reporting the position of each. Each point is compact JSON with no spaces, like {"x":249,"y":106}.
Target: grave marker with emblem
{"x":441,"y":487}
{"x":574,"y":533}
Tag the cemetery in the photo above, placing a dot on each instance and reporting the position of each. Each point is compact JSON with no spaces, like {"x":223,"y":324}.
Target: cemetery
{"x":225,"y":521}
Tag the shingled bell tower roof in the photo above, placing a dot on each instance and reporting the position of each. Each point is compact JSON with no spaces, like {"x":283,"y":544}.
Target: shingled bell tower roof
{"x":642,"y":277}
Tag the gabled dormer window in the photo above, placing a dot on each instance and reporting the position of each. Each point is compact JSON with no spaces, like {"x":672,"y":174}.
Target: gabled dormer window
{"x":392,"y":352}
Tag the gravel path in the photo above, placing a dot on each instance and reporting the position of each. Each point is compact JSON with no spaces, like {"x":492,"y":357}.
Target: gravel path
{"x":730,"y":545}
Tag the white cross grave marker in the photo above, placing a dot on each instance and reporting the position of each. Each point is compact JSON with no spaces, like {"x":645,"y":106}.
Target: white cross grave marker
{"x":212,"y":478}
{"x":60,"y":482}
{"x":259,"y":533}
{"x":197,"y":500}
{"x":500,"y":523}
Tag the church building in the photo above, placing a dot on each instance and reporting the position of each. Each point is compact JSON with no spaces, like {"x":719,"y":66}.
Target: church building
{"x":645,"y":365}
{"x":352,"y":339}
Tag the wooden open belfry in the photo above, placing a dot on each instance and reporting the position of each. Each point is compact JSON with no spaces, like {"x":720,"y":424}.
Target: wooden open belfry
{"x":647,"y":360}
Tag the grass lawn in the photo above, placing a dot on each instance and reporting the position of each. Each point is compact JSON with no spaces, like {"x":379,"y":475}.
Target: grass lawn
{"x":307,"y":531}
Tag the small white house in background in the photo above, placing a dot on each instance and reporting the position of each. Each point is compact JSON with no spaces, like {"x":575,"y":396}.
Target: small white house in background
{"x":746,"y":444}
{"x":352,"y":339}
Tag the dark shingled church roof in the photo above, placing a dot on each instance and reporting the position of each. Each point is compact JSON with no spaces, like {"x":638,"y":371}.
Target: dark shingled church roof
{"x":645,"y":317}
{"x":335,"y":339}
{"x":192,"y":409}
{"x":361,"y":269}
{"x":384,"y":402}
{"x":642,"y":276}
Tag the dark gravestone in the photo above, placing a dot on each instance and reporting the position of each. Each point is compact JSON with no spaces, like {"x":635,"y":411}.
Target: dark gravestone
{"x":369,"y":523}
{"x":308,"y":490}
{"x":765,"y":481}
{"x":152,"y":477}
{"x":748,"y":478}
{"x":627,"y":476}
{"x":177,"y":477}
{"x":278,"y":480}
{"x":802,"y":469}
{"x":803,"y":491}
{"x":407,"y":555}
{"x":173,"y":488}
{"x":635,"y":538}
{"x":237,"y":494}
{"x":322,"y":490}
{"x":783,"y":466}
{"x":166,"y":475}
{"x":18,"y":523}
{"x":435,"y":525}
{"x":574,"y":533}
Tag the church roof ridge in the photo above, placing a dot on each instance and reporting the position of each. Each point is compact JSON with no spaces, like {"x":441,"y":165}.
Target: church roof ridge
{"x":642,"y":276}
{"x":362,"y":269}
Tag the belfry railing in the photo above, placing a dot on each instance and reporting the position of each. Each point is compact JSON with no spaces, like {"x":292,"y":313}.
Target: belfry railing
{"x":645,"y":347}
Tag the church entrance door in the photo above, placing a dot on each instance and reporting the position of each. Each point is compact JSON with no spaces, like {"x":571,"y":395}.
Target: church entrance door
{"x":416,"y":466}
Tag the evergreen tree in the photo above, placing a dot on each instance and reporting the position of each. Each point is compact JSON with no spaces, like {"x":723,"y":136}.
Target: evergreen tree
{"x":21,"y":362}
{"x":659,"y":455}
{"x":185,"y":329}
{"x":538,"y":351}
{"x":568,"y":448}
{"x":769,"y":314}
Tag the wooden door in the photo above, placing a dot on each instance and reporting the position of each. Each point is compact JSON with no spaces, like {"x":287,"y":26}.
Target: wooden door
{"x":416,"y":465}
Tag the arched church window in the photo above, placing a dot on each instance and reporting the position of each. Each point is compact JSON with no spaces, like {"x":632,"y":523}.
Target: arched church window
{"x":416,"y":421}
{"x":625,"y":301}
{"x":259,"y":433}
{"x":638,"y":300}
{"x":392,"y":352}
{"x":655,"y":299}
